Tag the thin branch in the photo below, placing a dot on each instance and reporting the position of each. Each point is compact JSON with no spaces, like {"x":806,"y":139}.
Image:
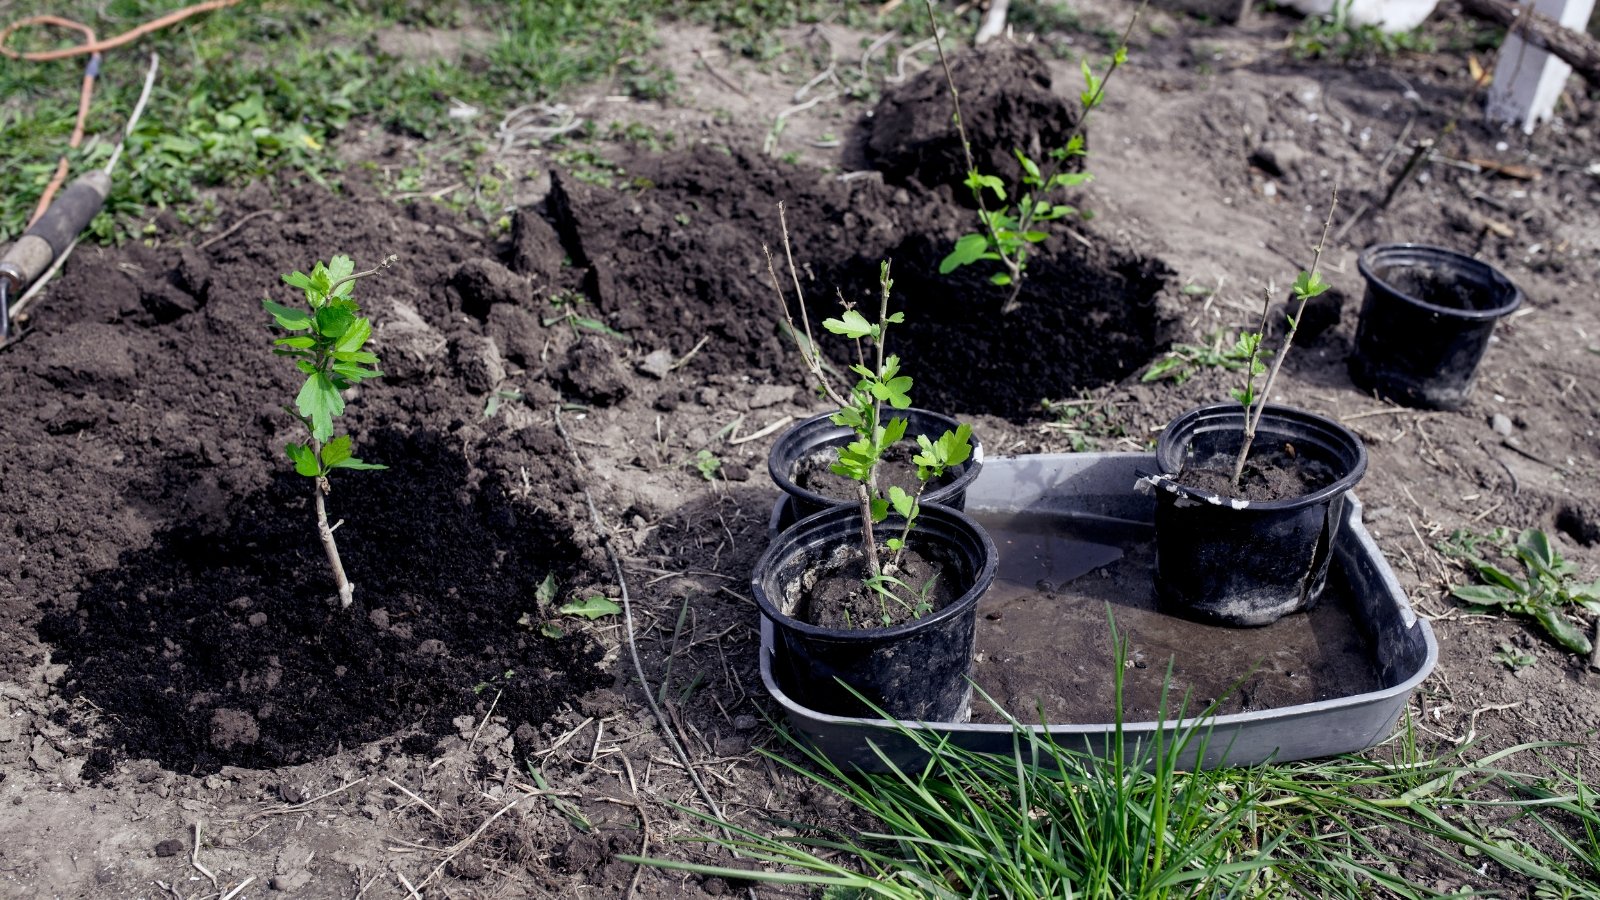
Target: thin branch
{"x":1250,"y":374}
{"x":808,"y":348}
{"x":1252,"y":421}
{"x":372,"y":271}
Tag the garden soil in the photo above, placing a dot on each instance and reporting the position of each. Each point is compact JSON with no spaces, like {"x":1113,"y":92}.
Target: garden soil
{"x":184,"y":707}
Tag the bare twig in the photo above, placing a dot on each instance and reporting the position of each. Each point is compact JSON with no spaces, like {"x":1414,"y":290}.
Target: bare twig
{"x":758,"y":435}
{"x":808,"y":348}
{"x":404,"y":790}
{"x":700,"y":55}
{"x":194,"y":857}
{"x":231,"y":229}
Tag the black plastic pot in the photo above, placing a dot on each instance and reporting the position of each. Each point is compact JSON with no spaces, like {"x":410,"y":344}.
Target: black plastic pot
{"x":915,"y":671}
{"x":1239,"y":562}
{"x":818,"y":432}
{"x":1426,"y":322}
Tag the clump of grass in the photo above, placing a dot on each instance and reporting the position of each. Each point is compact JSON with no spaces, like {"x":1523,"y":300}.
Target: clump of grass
{"x":1049,"y":821}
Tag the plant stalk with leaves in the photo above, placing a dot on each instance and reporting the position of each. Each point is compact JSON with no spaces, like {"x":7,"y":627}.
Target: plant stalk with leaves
{"x":1008,"y":233}
{"x":327,"y":342}
{"x":861,"y":410}
{"x":1309,"y":284}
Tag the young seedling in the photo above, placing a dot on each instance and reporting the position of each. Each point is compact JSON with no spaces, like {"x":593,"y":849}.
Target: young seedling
{"x":1547,"y":592}
{"x":326,"y":342}
{"x":861,"y":409}
{"x":1309,"y":284}
{"x":1009,"y":232}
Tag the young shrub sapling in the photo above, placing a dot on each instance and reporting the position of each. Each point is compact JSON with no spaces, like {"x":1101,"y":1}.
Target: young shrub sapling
{"x":327,"y":342}
{"x":861,"y":409}
{"x":1307,"y":285}
{"x":1009,"y":232}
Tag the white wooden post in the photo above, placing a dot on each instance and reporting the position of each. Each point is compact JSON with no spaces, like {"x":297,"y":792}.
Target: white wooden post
{"x":1527,"y":79}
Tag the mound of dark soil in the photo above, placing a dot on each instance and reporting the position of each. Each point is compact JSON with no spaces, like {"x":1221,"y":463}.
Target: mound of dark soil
{"x":154,"y":519}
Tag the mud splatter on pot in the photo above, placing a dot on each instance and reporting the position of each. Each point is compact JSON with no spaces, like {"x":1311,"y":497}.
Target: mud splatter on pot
{"x":1426,"y":322}
{"x":1238,"y":562}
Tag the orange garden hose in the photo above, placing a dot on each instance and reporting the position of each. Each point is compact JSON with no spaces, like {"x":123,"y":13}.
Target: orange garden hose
{"x":93,"y":47}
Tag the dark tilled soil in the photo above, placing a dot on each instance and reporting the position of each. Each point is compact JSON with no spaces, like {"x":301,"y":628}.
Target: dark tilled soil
{"x":1271,"y":473}
{"x":172,"y":554}
{"x":836,"y":599}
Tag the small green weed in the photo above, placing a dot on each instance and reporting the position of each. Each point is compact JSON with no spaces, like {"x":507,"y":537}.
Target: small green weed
{"x":707,"y":464}
{"x":1333,"y":35}
{"x":1087,"y":423}
{"x":1220,"y":351}
{"x":1547,"y":593}
{"x":1512,"y":658}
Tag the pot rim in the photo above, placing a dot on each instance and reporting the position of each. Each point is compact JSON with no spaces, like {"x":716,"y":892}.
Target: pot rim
{"x":1369,"y":257}
{"x":1168,"y":449}
{"x":968,"y":599}
{"x":786,"y":483}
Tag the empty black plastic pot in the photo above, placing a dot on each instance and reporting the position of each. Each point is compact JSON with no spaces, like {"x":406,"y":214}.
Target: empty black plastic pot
{"x":1238,"y":562}
{"x":915,"y":671}
{"x":819,"y":432}
{"x":1426,"y":322}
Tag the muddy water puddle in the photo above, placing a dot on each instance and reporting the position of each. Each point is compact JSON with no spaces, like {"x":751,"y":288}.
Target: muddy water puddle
{"x":1045,"y":648}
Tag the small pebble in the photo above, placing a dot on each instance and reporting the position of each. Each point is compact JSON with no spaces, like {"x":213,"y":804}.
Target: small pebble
{"x":1501,"y":423}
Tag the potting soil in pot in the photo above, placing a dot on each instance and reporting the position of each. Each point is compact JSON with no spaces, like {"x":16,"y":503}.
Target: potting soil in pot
{"x":1044,"y":641}
{"x":1270,"y":473}
{"x":814,"y":473}
{"x":832,"y":594}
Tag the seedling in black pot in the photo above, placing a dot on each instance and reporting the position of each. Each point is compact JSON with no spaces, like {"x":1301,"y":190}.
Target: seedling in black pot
{"x":327,"y":341}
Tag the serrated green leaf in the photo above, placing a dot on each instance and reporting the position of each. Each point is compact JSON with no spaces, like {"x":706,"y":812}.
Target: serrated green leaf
{"x":852,"y":324}
{"x":299,"y":343}
{"x":334,"y":321}
{"x":893,"y":392}
{"x":287,"y":318}
{"x":591,"y":607}
{"x":902,"y":501}
{"x":894,"y":431}
{"x":297,"y":279}
{"x":354,"y":373}
{"x":319,"y":401}
{"x":1309,"y":284}
{"x":880,"y":510}
{"x":355,"y":356}
{"x":894,"y":544}
{"x":353,"y":463}
{"x":355,"y":336}
{"x":895,"y":318}
{"x":305,"y":462}
{"x":968,"y":249}
{"x":341,"y":267}
{"x":336,"y":451}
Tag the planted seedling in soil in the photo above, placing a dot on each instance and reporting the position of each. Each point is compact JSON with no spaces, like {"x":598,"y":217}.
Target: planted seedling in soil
{"x":861,"y":409}
{"x":1548,"y":592}
{"x":1008,"y":232}
{"x":1308,"y":284}
{"x":327,"y":343}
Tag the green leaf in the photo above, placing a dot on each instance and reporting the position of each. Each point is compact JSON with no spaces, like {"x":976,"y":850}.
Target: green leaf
{"x":893,"y":392}
{"x":319,"y":401}
{"x":852,"y":325}
{"x":287,"y":318}
{"x":354,"y":373}
{"x":299,"y":343}
{"x":341,"y":267}
{"x":545,"y":593}
{"x":1495,"y":575}
{"x":1000,"y":278}
{"x":353,"y":463}
{"x":1565,"y":631}
{"x":336,"y":451}
{"x":355,"y":336}
{"x":978,"y":182}
{"x":1309,"y":285}
{"x":1034,"y":237}
{"x":894,"y":544}
{"x":880,"y":510}
{"x":334,"y":321}
{"x":1029,"y":167}
{"x":298,"y":279}
{"x":1533,"y":548}
{"x":591,"y":608}
{"x":903,"y":502}
{"x":305,"y":462}
{"x":1244,"y":397}
{"x":895,"y":318}
{"x":1161,"y":368}
{"x":969,"y":249}
{"x":894,"y":431}
{"x":1485,"y":594}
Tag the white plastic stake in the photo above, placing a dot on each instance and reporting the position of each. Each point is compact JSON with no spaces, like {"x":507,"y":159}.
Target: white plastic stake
{"x":1528,"y":80}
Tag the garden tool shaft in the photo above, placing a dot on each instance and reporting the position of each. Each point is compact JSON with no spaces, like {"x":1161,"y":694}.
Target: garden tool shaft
{"x":48,"y":238}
